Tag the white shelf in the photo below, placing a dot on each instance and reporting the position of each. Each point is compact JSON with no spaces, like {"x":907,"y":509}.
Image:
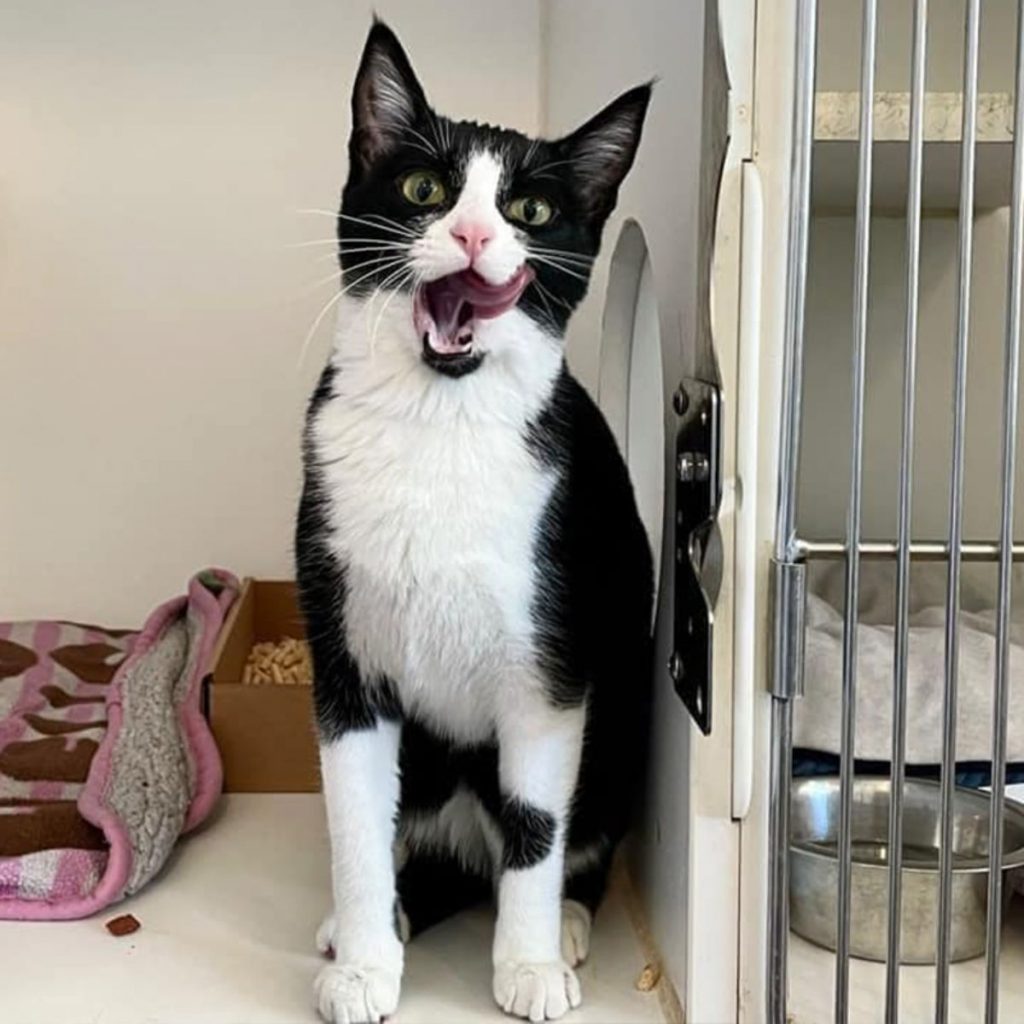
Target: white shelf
{"x":227,"y":936}
{"x":836,"y":126}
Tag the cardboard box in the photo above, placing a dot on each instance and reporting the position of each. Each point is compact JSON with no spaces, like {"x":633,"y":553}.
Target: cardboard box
{"x":265,"y":733}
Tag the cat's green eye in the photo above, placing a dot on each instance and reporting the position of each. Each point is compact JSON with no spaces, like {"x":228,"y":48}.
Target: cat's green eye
{"x":424,"y":188}
{"x":533,"y":211}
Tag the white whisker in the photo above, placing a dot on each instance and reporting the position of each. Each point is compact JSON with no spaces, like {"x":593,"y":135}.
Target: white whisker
{"x":336,"y":276}
{"x":427,"y":146}
{"x":543,"y":260}
{"x":408,"y":275}
{"x":553,"y":296}
{"x":314,"y":241}
{"x":536,"y":171}
{"x":569,"y":260}
{"x":323,"y":312}
{"x":381,"y":223}
{"x":316,"y":323}
{"x":540,"y":292}
{"x":547,"y":251}
{"x":384,"y":222}
{"x":334,"y":253}
{"x":385,"y":243}
{"x":385,"y":263}
{"x":352,"y":251}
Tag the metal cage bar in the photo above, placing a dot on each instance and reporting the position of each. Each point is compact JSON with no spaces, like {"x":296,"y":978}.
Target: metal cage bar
{"x":956,"y":502}
{"x":915,"y":174}
{"x":920,"y":551}
{"x":789,"y":452}
{"x":1005,"y":591}
{"x":791,"y":550}
{"x":862,"y":258}
{"x":796,"y":275}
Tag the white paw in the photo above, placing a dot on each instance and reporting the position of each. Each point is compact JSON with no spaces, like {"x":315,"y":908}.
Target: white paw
{"x":536,"y":991}
{"x":350,"y":994}
{"x":576,"y":921}
{"x":325,"y":936}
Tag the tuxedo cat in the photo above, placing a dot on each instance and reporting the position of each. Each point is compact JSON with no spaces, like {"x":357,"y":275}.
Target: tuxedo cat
{"x":474,"y":575}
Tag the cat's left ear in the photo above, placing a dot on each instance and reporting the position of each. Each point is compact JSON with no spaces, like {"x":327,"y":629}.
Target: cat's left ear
{"x":387,"y":99}
{"x":602,"y":151}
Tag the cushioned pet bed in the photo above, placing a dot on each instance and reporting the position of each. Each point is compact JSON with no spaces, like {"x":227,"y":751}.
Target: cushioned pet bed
{"x":817,"y":715}
{"x":105,"y":757}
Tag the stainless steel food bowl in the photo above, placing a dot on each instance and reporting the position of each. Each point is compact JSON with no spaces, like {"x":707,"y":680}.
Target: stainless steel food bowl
{"x":814,"y":881}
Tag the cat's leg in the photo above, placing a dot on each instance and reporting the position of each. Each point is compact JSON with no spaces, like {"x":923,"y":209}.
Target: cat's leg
{"x":585,"y":883}
{"x":538,"y":762}
{"x":360,"y":776}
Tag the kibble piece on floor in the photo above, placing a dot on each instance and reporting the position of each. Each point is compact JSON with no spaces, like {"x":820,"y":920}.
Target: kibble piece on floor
{"x":123,"y":925}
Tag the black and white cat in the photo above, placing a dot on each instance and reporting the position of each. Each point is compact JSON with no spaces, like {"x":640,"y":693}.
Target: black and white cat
{"x":476,"y":581}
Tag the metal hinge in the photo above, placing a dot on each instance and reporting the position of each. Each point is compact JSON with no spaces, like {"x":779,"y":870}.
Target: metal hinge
{"x":698,"y":548}
{"x":789,"y":599}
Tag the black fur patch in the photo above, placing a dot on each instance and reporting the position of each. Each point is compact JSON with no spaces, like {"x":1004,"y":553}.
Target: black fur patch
{"x":592,"y":610}
{"x":433,"y":887}
{"x":452,"y":366}
{"x":588,"y":885}
{"x":342,"y":698}
{"x":528,"y":833}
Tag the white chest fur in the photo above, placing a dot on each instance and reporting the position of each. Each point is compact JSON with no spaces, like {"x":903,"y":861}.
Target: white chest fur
{"x":435,"y":520}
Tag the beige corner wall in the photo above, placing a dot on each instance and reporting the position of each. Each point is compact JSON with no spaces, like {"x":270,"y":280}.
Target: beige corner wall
{"x":152,"y":160}
{"x":588,"y":61}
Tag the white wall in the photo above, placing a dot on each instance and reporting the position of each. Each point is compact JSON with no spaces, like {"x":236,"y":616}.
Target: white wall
{"x":588,"y":60}
{"x":151,"y":313}
{"x":824,"y":465}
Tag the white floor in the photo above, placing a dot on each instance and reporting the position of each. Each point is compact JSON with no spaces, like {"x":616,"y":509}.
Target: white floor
{"x":227,"y":938}
{"x":812,"y":969}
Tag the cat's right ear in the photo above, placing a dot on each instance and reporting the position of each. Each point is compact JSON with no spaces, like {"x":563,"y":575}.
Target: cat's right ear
{"x":387,"y":98}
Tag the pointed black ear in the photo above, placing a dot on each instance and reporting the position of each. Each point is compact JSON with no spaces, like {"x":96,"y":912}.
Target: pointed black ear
{"x":602,"y":150}
{"x":387,"y":98}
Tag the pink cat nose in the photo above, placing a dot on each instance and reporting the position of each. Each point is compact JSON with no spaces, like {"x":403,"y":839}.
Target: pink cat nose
{"x":472,"y":236}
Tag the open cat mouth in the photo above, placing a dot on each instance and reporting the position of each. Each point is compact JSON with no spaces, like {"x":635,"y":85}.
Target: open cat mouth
{"x":446,"y":311}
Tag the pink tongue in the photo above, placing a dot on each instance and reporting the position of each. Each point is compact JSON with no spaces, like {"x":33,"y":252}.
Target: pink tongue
{"x":454,"y":300}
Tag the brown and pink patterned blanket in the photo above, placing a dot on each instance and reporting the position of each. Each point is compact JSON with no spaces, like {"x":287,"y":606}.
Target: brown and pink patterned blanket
{"x":105,"y":757}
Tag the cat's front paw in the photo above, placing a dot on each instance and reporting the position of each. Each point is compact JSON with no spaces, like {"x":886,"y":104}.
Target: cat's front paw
{"x":537,"y":992}
{"x":353,"y":994}
{"x":325,"y":936}
{"x":576,"y":922}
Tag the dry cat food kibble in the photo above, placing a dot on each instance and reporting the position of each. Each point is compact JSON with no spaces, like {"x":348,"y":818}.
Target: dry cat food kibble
{"x":648,"y":978}
{"x":126,"y":924}
{"x":285,"y":663}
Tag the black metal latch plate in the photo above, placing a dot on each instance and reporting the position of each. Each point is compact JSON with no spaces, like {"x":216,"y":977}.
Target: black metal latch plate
{"x":698,"y":549}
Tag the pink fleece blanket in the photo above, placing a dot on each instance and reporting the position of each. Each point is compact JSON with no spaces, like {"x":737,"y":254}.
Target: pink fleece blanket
{"x":105,"y":757}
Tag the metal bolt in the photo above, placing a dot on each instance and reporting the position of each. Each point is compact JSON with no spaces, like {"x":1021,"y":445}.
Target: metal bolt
{"x":693,"y":466}
{"x":680,"y":401}
{"x":675,"y":667}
